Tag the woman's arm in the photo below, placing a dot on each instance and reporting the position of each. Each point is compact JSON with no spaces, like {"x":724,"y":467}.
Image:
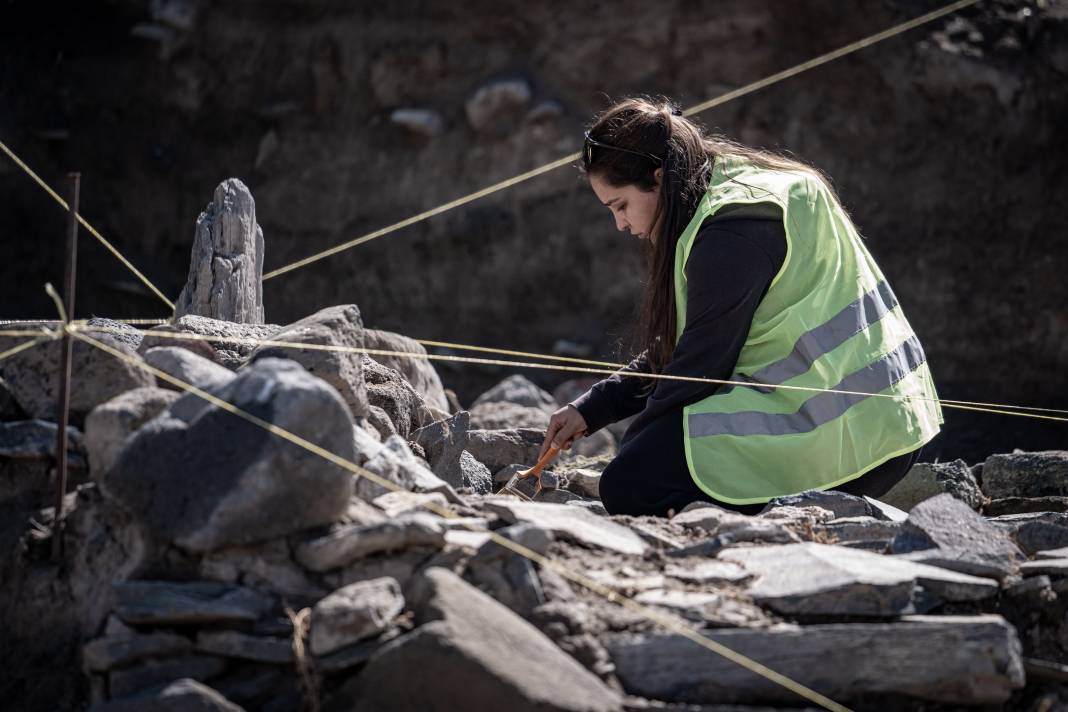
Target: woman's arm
{"x":617,"y":397}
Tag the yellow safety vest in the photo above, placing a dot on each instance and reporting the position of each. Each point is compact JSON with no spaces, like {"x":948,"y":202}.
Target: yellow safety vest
{"x":828,"y":321}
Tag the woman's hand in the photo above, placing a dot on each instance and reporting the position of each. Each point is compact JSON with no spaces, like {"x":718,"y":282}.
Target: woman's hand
{"x":565,"y":426}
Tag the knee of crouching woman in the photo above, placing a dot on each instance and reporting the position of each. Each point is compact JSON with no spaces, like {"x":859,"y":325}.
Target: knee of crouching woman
{"x":612,"y":488}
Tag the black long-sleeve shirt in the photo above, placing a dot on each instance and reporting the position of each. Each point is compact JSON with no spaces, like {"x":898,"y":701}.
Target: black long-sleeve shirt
{"x":731,"y":264}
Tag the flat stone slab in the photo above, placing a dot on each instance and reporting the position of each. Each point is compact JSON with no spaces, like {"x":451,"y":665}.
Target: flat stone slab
{"x":128,"y":681}
{"x":710,"y":608}
{"x":861,"y":532}
{"x":978,"y":662}
{"x":112,"y":651}
{"x":183,"y":695}
{"x":348,"y":544}
{"x":1035,"y":531}
{"x":403,"y":501}
{"x":1061,"y":553}
{"x":705,"y":572}
{"x":1023,"y":505}
{"x":1026,"y":474}
{"x":258,"y":648}
{"x":952,"y":535}
{"x":466,"y":538}
{"x":572,"y":523}
{"x":1050,"y":567}
{"x":819,"y":579}
{"x":627,"y":580}
{"x":165,"y":602}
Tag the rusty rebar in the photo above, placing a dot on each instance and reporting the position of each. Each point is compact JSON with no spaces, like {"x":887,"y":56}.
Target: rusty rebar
{"x":63,"y":409}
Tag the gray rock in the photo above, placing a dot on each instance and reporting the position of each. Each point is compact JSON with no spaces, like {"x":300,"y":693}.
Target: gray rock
{"x":598,"y":444}
{"x":184,"y":695}
{"x":712,"y":609}
{"x":217,"y":480}
{"x":496,"y":101}
{"x":1036,"y":531}
{"x":886,"y":512}
{"x":860,"y":532}
{"x":387,"y":389}
{"x":497,"y":449}
{"x":1057,"y":568}
{"x":338,"y":326}
{"x":978,"y":662}
{"x":944,"y":531}
{"x":730,"y":528}
{"x":473,"y":653}
{"x":1026,"y":474}
{"x":114,"y":651}
{"x":225,"y":342}
{"x":584,"y":482}
{"x":377,"y":423}
{"x":350,"y":543}
{"x":821,"y":580}
{"x":27,"y":461}
{"x":402,"y":502}
{"x":266,"y":566}
{"x":518,"y":390}
{"x":840,"y":503}
{"x":353,"y":655}
{"x":425,"y":123}
{"x":475,"y":475}
{"x":35,"y":440}
{"x":445,"y":443}
{"x":174,"y":603}
{"x":9,"y":408}
{"x":257,"y":648}
{"x":929,"y":479}
{"x":497,"y":415}
{"x":394,"y":461}
{"x":1024,"y":505}
{"x":152,"y":673}
{"x":192,"y":368}
{"x":419,"y":372}
{"x":109,"y":424}
{"x":350,"y":614}
{"x":508,"y":577}
{"x":32,"y":376}
{"x":226,"y":270}
{"x":570,"y":523}
{"x":706,"y":572}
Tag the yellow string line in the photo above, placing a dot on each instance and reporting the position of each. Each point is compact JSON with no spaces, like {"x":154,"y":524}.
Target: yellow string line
{"x":25,"y":345}
{"x":25,"y":332}
{"x":962,"y":405}
{"x":829,"y":56}
{"x":84,"y":223}
{"x":597,"y":588}
{"x":697,"y":108}
{"x":507,"y":352}
{"x":515,"y":180}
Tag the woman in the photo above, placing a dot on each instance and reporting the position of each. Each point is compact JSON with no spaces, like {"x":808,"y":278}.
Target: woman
{"x":756,"y":276}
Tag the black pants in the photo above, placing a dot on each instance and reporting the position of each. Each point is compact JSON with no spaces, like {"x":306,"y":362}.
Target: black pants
{"x":650,"y":476}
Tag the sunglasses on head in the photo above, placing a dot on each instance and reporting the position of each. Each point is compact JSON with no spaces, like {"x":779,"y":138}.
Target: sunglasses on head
{"x":587,"y":150}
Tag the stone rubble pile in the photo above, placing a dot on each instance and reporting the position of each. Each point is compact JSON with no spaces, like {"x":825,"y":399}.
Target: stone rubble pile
{"x":196,"y":540}
{"x":210,"y":564}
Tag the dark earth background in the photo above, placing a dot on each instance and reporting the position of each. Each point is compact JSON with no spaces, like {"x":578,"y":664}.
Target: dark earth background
{"x":946,"y":144}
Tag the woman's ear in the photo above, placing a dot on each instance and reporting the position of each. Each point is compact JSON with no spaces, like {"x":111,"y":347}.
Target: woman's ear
{"x":658,"y":174}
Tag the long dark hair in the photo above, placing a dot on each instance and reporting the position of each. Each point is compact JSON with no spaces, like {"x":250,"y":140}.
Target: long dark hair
{"x":686,"y":153}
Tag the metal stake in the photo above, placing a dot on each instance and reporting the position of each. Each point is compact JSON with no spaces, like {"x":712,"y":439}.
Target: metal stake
{"x":63,"y":410}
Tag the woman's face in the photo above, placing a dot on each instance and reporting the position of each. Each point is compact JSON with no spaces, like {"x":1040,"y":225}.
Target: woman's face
{"x":632,"y":207}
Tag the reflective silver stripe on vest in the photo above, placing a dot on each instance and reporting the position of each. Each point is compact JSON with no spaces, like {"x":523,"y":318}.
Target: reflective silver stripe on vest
{"x":820,"y":408}
{"x":828,"y":336}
